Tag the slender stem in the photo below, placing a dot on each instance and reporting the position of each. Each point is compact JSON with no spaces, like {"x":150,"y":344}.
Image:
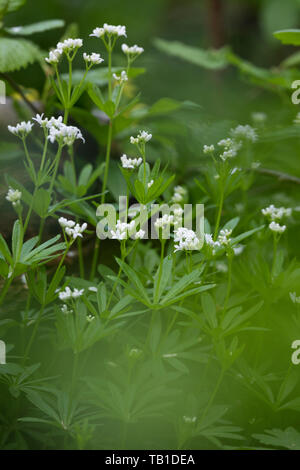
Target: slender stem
{"x":211,"y":400}
{"x":57,"y":160}
{"x":109,"y":70}
{"x":6,"y":286}
{"x":275,"y":245}
{"x":230,"y":258}
{"x":104,"y":184}
{"x":37,"y":323}
{"x":219,"y":213}
{"x":162,"y":252}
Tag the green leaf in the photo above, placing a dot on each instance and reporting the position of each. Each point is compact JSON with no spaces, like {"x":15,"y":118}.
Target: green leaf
{"x":35,"y":27}
{"x":288,"y":438}
{"x":17,"y":240}
{"x":16,"y":54}
{"x":7,"y":6}
{"x":210,"y":59}
{"x":288,"y":36}
{"x":42,"y":202}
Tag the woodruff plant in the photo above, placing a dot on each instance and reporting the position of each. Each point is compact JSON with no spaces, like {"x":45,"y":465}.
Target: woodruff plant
{"x":166,"y":317}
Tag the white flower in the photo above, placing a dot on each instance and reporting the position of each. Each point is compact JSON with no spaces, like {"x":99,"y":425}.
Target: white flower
{"x":275,"y":227}
{"x":142,"y":137}
{"x":64,"y":223}
{"x":72,"y":229}
{"x":238,"y":249}
{"x":208,"y":148}
{"x":187,"y":239}
{"x":294,"y":298}
{"x":69,"y":45}
{"x":210,"y":241}
{"x":179,"y":193}
{"x":68,"y":294}
{"x":90,"y":318}
{"x":276,"y":213}
{"x":122,"y":230}
{"x":244,"y":132}
{"x":63,"y":134}
{"x":130,"y":163}
{"x":133,"y":51}
{"x":93,"y":289}
{"x":110,"y":30}
{"x":140,"y":234}
{"x":150,"y":183}
{"x":65,"y":309}
{"x":14,"y":196}
{"x":224,"y":235}
{"x":93,"y":59}
{"x":259,"y":117}
{"x":22,"y":129}
{"x":221,"y":267}
{"x":39,"y":118}
{"x":164,"y":222}
{"x":189,"y":419}
{"x":231,"y":148}
{"x":121,"y":78}
{"x":54,"y":56}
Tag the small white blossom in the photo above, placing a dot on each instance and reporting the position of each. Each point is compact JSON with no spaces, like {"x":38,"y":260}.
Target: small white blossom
{"x":238,"y":249}
{"x":140,"y":234}
{"x":142,"y":137}
{"x":276,"y":213}
{"x":93,"y":59}
{"x":64,"y":134}
{"x":294,"y":298}
{"x":109,"y":30}
{"x":132,"y":51}
{"x":13,"y":196}
{"x":130,"y":163}
{"x":22,"y":129}
{"x":69,"y":45}
{"x":187,"y":240}
{"x":122,"y":78}
{"x":208,"y":148}
{"x":72,"y":229}
{"x":244,"y":132}
{"x":64,"y":223}
{"x":150,"y":183}
{"x":93,"y":289}
{"x":210,"y":241}
{"x":224,"y":237}
{"x":90,"y":318}
{"x":122,"y":230}
{"x":43,"y":122}
{"x":54,"y":57}
{"x":179,"y":193}
{"x":189,"y":419}
{"x":164,"y":222}
{"x":69,"y":294}
{"x":231,"y":148}
{"x":275,"y":227}
{"x":259,"y":117}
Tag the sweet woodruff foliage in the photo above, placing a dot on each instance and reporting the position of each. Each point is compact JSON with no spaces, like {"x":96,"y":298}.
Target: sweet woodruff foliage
{"x":135,"y":343}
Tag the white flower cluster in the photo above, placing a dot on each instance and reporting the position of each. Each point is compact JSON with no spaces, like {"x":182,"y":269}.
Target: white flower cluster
{"x":179,"y":194}
{"x":208,"y":149}
{"x":224,"y":237}
{"x":231,"y":148}
{"x":294,"y":298}
{"x":93,"y":59}
{"x":110,"y":30}
{"x":123,"y":230}
{"x":14,"y":196}
{"x":130,"y":163}
{"x":69,"y":294}
{"x":187,"y":240}
{"x":275,"y":227}
{"x":122,"y":78}
{"x":72,"y":229}
{"x":167,"y":220}
{"x":63,"y":134}
{"x":210,"y":241}
{"x":66,"y":46}
{"x":142,"y":138}
{"x":244,"y":132}
{"x":22,"y":129}
{"x":132,"y":51}
{"x":276,"y":213}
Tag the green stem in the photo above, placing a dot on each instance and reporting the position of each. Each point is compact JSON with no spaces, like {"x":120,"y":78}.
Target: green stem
{"x":162,"y":252}
{"x":5,"y":288}
{"x":211,"y":400}
{"x":219,"y":214}
{"x":104,"y":184}
{"x":37,"y":323}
